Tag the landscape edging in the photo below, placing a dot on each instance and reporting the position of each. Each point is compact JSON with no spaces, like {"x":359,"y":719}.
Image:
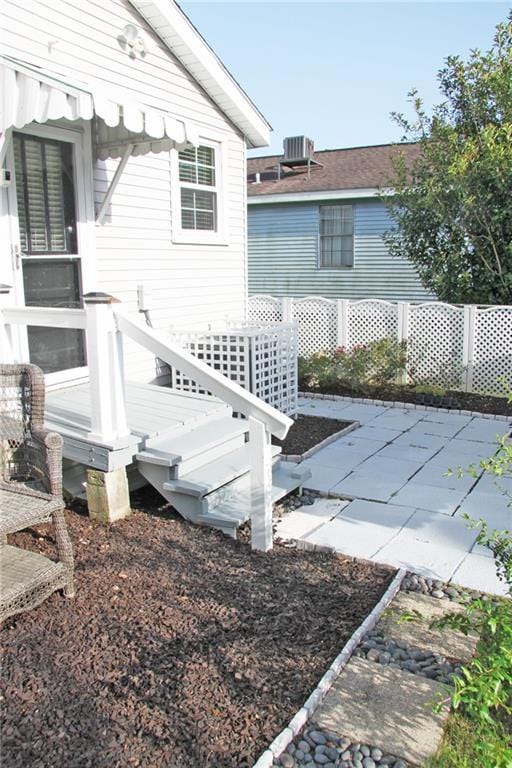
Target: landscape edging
{"x":301,"y":717}
{"x":406,"y":406}
{"x":298,"y":457}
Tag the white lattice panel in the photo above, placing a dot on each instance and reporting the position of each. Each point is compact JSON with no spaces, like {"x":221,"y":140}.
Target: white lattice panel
{"x":492,"y":355}
{"x":265,"y":309}
{"x":261,"y":358}
{"x":274,"y":367}
{"x":436,"y":343}
{"x":316,"y":320}
{"x":371,"y":320}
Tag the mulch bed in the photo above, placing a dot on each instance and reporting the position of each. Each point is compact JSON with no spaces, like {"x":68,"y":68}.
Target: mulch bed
{"x":308,"y":431}
{"x":465,"y":401}
{"x":181,"y":649}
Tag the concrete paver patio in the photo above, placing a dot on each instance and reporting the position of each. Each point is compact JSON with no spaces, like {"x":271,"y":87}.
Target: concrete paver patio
{"x":402,"y":509}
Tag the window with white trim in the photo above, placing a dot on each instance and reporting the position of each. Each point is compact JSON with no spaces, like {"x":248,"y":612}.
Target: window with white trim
{"x":198,"y":178}
{"x":336,"y":237}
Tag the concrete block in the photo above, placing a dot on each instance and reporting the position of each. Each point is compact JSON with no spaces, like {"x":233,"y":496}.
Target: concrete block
{"x":107,"y":495}
{"x":382,"y":705}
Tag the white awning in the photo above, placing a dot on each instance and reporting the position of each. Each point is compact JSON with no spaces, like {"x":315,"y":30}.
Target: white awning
{"x":31,"y":94}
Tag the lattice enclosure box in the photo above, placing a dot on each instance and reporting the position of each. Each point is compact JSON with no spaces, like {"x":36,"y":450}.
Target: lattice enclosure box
{"x":261,"y":358}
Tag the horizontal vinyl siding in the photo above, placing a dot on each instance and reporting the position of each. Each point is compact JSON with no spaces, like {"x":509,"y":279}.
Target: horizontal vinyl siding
{"x":191,"y":285}
{"x":283,"y":256}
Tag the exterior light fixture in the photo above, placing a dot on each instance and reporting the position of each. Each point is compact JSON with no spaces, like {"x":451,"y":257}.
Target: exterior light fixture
{"x":133,"y":40}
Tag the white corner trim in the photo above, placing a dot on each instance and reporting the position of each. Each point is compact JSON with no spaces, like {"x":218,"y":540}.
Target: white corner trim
{"x":332,"y":194}
{"x":300,"y":718}
{"x":191,"y":49}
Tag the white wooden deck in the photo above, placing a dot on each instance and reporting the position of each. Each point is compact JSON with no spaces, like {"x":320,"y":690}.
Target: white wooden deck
{"x":150,"y":411}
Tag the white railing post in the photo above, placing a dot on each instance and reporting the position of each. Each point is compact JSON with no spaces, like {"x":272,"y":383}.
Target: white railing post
{"x":261,"y":485}
{"x":468,"y":346}
{"x":6,"y":340}
{"x":106,"y":377}
{"x":287,"y":309}
{"x":403,"y":331}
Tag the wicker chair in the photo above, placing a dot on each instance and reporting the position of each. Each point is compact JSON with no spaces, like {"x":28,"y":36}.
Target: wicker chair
{"x":30,"y":493}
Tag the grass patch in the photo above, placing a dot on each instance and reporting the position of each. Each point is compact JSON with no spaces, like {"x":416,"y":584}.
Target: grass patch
{"x":461,"y":740}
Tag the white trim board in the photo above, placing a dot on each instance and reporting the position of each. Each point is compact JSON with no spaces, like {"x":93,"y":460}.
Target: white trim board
{"x":190,"y":48}
{"x":332,"y":194}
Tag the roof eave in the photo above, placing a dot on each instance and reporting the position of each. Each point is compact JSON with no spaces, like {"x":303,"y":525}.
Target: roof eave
{"x":185,"y":42}
{"x":328,"y":194}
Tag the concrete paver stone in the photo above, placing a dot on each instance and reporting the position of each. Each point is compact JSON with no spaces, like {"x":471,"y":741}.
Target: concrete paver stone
{"x":375,"y":704}
{"x":416,"y":632}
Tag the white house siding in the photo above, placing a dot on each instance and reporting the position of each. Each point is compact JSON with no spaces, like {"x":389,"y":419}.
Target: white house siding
{"x":283,"y":255}
{"x":191,"y":285}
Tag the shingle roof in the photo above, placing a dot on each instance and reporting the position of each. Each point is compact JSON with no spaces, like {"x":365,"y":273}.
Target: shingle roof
{"x":340,"y":169}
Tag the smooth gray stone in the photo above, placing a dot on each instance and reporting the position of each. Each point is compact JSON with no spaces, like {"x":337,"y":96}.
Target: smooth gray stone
{"x":376,"y":753}
{"x":317,"y":737}
{"x":368,"y":763}
{"x":287,"y":760}
{"x":304,"y":746}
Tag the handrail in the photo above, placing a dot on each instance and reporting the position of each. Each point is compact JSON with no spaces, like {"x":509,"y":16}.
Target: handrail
{"x":236,"y":396}
{"x":52,"y":317}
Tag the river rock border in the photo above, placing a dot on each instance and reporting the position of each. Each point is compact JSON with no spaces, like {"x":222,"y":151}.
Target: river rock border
{"x":404,"y":406}
{"x":297,"y":723}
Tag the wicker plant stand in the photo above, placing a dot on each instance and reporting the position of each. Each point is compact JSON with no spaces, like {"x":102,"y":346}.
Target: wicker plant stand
{"x":30,"y":493}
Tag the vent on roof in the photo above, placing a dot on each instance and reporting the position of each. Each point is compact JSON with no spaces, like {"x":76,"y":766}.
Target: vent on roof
{"x":298,"y":150}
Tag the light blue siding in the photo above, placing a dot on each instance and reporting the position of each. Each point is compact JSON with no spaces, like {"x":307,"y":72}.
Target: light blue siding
{"x":283,"y":255}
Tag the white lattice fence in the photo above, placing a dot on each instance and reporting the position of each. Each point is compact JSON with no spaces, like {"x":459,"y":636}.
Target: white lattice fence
{"x":492,"y":349}
{"x":370,"y":320}
{"x":316,"y":321}
{"x":265,"y":309}
{"x":436,"y":343}
{"x":468,"y":347}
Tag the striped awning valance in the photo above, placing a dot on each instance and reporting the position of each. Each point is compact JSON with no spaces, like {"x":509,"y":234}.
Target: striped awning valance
{"x":31,"y":94}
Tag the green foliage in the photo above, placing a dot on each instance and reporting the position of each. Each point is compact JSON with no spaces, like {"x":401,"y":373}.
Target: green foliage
{"x":483,"y":693}
{"x":379,"y":362}
{"x":453,"y":208}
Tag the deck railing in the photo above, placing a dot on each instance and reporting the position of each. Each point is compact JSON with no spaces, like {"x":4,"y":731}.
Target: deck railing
{"x":105,"y":324}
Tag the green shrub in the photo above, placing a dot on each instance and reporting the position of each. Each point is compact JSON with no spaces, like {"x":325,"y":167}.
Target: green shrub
{"x":379,"y":362}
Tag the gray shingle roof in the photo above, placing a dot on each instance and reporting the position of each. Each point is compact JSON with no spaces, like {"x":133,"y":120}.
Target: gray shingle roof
{"x":340,"y":169}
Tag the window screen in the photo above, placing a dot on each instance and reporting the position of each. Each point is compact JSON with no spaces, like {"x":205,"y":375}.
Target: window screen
{"x":197,"y":176}
{"x":336,"y":236}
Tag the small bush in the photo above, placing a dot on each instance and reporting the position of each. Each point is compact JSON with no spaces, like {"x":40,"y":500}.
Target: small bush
{"x":379,"y":362}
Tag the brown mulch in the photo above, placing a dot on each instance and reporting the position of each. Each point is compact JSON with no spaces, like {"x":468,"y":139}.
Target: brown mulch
{"x":182,"y":648}
{"x":466,"y":401}
{"x":308,"y":431}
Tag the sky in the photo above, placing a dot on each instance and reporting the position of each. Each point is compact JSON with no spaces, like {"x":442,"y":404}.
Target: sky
{"x":334,"y":71}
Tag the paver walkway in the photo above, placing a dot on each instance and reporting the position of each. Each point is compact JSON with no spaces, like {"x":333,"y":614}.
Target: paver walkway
{"x":394,"y":503}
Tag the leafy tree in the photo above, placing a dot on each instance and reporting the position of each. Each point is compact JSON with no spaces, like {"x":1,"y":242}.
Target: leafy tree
{"x":453,"y":206}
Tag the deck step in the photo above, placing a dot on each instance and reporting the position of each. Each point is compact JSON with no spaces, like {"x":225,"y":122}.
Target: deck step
{"x":216,"y":473}
{"x":169,"y":450}
{"x":228,"y":510}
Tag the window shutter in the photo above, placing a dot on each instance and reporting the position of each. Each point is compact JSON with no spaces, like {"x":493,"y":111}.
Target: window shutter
{"x":45,"y":196}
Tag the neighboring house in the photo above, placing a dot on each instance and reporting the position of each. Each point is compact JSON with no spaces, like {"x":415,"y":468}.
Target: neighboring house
{"x":316,"y":225}
{"x":123,"y":145}
{"x":84,"y":104}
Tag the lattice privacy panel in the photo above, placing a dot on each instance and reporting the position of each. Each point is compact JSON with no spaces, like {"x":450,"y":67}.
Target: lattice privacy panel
{"x":371,"y":320}
{"x":436,"y":343}
{"x":265,"y":309}
{"x":492,"y":354}
{"x":316,"y":320}
{"x":262,"y":359}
